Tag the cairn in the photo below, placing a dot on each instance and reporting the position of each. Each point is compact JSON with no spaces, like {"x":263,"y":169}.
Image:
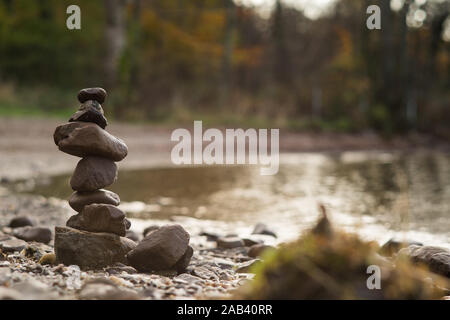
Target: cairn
{"x":95,"y":237}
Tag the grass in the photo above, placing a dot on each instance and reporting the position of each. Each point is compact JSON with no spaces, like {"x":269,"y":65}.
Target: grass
{"x":47,"y":102}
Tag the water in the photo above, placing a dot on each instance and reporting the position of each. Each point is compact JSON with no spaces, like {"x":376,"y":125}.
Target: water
{"x":379,"y":195}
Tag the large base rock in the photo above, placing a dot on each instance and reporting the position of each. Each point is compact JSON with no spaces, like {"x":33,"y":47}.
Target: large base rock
{"x":90,"y":250}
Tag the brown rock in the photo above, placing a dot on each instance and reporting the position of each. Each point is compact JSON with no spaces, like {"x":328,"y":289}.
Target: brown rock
{"x":97,"y":94}
{"x":160,"y":250}
{"x":93,"y":173}
{"x":230,"y":243}
{"x":90,"y":250}
{"x":83,"y":139}
{"x":435,"y":258}
{"x":90,"y":111}
{"x":38,"y":234}
{"x":183,"y":263}
{"x":21,"y":221}
{"x":100,"y":218}
{"x":261,"y":228}
{"x":78,"y":200}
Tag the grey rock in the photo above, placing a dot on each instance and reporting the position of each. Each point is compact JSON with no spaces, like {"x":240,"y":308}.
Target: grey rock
{"x":21,"y":221}
{"x":97,"y":94}
{"x":393,"y":246}
{"x":38,"y":234}
{"x":435,"y":258}
{"x":93,"y":173}
{"x":210,"y":236}
{"x":84,"y":139}
{"x":261,"y":228}
{"x":90,"y":250}
{"x":90,"y":111}
{"x":78,"y":200}
{"x":100,"y":218}
{"x":12,"y":244}
{"x":229,"y":243}
{"x":248,"y":242}
{"x":160,"y":250}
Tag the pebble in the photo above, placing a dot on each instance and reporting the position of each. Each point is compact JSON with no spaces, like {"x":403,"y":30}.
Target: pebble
{"x":12,"y":244}
{"x":261,"y":228}
{"x":90,"y":111}
{"x":229,"y":243}
{"x":38,"y":234}
{"x":97,"y":94}
{"x":21,"y":221}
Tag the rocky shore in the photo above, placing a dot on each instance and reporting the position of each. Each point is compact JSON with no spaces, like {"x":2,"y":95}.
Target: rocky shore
{"x":219,"y":264}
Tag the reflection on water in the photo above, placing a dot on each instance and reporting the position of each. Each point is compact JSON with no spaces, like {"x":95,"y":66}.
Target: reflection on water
{"x":387,"y":191}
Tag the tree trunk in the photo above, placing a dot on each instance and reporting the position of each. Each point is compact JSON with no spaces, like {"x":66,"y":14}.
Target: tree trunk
{"x":230,"y":16}
{"x":115,"y":40}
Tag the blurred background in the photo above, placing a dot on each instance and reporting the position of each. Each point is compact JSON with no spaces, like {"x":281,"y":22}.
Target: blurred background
{"x":294,"y":64}
{"x":364,"y":114}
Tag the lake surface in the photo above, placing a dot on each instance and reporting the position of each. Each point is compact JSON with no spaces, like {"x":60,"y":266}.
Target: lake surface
{"x":379,"y":195}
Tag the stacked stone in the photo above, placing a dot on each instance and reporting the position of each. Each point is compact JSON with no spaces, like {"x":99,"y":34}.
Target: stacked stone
{"x":94,"y":237}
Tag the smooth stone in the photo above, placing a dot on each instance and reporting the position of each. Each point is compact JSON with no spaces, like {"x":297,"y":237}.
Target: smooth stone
{"x":12,"y":244}
{"x":38,"y":234}
{"x":100,"y":218}
{"x":250,"y":242}
{"x":21,"y":221}
{"x":97,"y":94}
{"x":78,"y":200}
{"x":160,"y":250}
{"x":261,"y":228}
{"x":149,"y":229}
{"x":93,"y":173}
{"x":84,"y":139}
{"x":435,"y":258}
{"x":90,"y":111}
{"x":393,"y":246}
{"x":230,"y":243}
{"x":90,"y":250}
{"x":258,"y":249}
{"x":210,"y":236}
{"x":183,"y":263}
